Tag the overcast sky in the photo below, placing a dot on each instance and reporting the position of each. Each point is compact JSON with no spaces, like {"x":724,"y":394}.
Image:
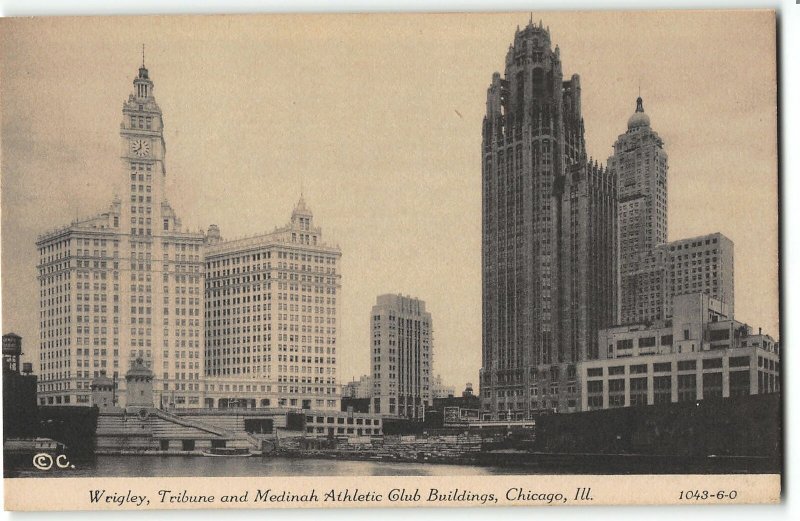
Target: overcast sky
{"x":379,"y":118}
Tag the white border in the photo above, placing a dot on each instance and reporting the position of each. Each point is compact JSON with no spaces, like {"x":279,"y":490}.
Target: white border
{"x":789,"y":46}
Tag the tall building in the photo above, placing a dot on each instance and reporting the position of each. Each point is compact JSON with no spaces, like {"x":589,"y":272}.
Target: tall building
{"x":549,"y":281}
{"x":698,"y":264}
{"x":126,"y":283}
{"x":271,"y":315}
{"x":402,"y":356}
{"x":639,"y":164}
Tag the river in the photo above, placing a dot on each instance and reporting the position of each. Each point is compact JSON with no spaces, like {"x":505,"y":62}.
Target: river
{"x":182,"y":466}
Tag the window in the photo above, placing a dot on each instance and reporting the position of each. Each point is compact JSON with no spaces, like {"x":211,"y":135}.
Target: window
{"x":712,"y":363}
{"x":625,"y":344}
{"x":687,"y":387}
{"x":616,"y":385}
{"x":595,"y":387}
{"x":662,"y":389}
{"x":638,"y":391}
{"x":687,"y":365}
{"x":739,"y":383}
{"x":649,"y":341}
{"x":712,"y":385}
{"x":663,"y":367}
{"x":739,"y":361}
{"x":719,"y":334}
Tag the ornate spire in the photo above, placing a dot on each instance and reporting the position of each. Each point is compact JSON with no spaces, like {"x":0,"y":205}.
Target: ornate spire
{"x":639,"y":118}
{"x":300,"y":207}
{"x":301,"y":215}
{"x":143,"y":86}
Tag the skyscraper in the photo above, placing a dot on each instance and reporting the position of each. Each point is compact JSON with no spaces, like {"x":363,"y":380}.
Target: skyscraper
{"x":125,"y":283}
{"x":402,"y":356}
{"x":548,"y":248}
{"x":271,"y":315}
{"x":639,"y":163}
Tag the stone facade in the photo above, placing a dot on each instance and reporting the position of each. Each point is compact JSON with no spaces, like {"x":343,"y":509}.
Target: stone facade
{"x":359,"y":389}
{"x":126,"y":283}
{"x":639,"y":164}
{"x":750,"y":366}
{"x":402,"y":356}
{"x":548,"y":251}
{"x":272,"y":306}
{"x":439,"y":389}
{"x":698,"y":264}
{"x":139,"y":385}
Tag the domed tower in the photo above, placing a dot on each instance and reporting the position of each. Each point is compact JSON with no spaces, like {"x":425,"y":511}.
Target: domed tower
{"x":640,"y":165}
{"x":638,"y":119}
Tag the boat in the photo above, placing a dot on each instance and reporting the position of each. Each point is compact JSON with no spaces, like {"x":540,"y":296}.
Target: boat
{"x":33,"y":446}
{"x":228,"y":452}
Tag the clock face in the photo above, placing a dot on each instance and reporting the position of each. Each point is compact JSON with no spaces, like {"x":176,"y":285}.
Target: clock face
{"x":140,"y":147}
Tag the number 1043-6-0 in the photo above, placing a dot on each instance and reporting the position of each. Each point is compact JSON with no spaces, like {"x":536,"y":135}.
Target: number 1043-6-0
{"x":705,"y":495}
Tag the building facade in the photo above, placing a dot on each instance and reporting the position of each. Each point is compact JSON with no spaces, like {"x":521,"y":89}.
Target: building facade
{"x":439,"y":389}
{"x":639,"y":164}
{"x":272,"y":306}
{"x":358,"y":389}
{"x":686,"y":331}
{"x":699,"y":353}
{"x":402,"y":356}
{"x":126,"y":283}
{"x":677,"y":377}
{"x":549,"y":217}
{"x":698,"y":264}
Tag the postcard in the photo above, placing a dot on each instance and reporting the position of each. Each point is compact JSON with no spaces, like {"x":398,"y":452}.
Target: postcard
{"x":390,"y":260}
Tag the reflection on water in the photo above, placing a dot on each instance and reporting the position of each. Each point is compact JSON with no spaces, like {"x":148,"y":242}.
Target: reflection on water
{"x":181,"y":466}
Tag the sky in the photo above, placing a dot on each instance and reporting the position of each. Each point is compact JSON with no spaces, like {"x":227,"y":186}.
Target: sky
{"x":378,"y":119}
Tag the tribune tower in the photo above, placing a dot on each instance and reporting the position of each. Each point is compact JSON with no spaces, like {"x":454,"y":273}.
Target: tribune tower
{"x":548,"y":235}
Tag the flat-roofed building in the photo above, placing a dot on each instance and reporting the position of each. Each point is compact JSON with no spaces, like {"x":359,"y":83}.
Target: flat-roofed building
{"x":700,"y":353}
{"x":698,"y":265}
{"x":402,"y":355}
{"x":441,"y":390}
{"x":359,"y":389}
{"x":272,"y":304}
